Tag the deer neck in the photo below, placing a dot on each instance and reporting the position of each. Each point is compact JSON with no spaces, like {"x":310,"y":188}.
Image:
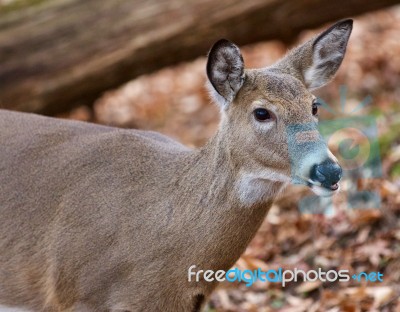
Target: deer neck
{"x":216,"y":195}
{"x":224,"y":181}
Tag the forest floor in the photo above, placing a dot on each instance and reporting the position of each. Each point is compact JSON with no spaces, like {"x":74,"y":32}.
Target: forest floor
{"x":175,"y":102}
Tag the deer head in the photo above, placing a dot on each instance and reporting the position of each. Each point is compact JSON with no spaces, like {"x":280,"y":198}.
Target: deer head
{"x":270,"y":116}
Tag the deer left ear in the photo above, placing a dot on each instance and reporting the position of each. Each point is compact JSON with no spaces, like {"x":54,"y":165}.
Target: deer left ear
{"x":225,"y":71}
{"x":328,"y":50}
{"x":316,"y":61}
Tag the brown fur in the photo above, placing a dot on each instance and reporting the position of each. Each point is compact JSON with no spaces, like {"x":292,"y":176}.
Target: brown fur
{"x":95,"y":218}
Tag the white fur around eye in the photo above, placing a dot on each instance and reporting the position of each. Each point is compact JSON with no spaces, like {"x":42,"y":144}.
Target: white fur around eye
{"x":264,"y":126}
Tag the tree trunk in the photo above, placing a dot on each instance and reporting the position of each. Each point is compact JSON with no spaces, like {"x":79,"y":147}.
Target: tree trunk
{"x":61,"y":53}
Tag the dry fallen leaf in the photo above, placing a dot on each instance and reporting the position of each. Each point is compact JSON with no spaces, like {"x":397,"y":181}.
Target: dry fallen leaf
{"x":308,"y":286}
{"x":375,"y":251}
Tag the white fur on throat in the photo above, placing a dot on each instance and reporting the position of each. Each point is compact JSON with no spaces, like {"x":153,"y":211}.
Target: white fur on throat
{"x":253,"y":188}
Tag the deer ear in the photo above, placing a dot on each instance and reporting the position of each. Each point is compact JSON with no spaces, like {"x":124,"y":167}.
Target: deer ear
{"x":317,"y":61}
{"x":225,"y":71}
{"x":328,"y":51}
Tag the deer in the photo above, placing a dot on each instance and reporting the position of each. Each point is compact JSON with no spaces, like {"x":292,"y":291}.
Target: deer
{"x":99,"y":218}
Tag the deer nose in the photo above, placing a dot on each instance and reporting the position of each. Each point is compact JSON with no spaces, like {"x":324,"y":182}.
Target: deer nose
{"x":328,"y":173}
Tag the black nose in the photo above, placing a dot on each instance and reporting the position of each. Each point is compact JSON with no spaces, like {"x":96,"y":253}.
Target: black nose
{"x":328,"y":173}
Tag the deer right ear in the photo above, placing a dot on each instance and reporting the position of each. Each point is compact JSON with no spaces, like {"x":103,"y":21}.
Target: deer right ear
{"x":225,"y":71}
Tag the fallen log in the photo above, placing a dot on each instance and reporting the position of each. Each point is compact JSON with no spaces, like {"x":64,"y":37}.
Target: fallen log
{"x":61,"y":53}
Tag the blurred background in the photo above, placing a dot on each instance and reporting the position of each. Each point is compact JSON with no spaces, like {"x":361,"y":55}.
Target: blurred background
{"x":141,"y":64}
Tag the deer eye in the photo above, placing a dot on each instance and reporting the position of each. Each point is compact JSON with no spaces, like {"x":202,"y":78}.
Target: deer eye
{"x":315,"y":108}
{"x":262,"y":114}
